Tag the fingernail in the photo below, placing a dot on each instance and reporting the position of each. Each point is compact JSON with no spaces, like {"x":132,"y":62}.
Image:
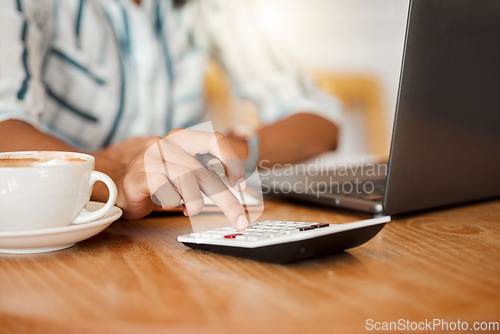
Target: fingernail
{"x":241,"y":184}
{"x":242,"y":222}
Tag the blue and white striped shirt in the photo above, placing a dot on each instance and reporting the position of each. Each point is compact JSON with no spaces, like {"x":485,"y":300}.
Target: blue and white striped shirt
{"x":94,"y":72}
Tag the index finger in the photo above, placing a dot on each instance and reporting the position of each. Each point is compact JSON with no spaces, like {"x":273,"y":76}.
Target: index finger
{"x":201,"y":142}
{"x":217,"y":191}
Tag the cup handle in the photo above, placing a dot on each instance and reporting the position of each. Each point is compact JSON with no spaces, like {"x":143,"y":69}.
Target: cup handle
{"x":86,"y":216}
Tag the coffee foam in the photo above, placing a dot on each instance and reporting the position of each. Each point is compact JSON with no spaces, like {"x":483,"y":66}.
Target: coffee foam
{"x":55,"y":162}
{"x":38,"y":161}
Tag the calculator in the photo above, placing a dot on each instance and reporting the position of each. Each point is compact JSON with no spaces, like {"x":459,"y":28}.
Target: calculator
{"x":285,"y":241}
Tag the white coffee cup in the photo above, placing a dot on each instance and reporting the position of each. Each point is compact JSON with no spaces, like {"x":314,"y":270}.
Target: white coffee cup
{"x":40,"y":190}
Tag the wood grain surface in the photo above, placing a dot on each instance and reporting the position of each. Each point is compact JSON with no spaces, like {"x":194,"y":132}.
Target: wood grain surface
{"x":135,"y":277}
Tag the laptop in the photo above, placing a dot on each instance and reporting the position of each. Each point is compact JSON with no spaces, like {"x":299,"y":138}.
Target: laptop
{"x":445,"y":145}
{"x":446,"y":137}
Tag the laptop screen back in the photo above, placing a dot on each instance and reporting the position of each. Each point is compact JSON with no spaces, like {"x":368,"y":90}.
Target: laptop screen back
{"x":446,"y":139}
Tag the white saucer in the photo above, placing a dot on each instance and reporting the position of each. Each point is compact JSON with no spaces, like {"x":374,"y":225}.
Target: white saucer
{"x":52,"y":239}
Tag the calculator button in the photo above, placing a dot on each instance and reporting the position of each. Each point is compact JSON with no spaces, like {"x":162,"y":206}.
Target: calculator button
{"x":232,"y":236}
{"x":255,"y":233}
{"x":259,"y":230}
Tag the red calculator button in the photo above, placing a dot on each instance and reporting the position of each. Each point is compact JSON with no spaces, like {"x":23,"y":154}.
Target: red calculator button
{"x":232,"y":236}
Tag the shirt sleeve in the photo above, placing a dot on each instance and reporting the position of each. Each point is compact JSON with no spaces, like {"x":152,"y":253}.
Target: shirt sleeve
{"x":24,"y":35}
{"x":258,"y":72}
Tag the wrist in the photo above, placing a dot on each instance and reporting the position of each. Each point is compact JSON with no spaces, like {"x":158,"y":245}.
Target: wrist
{"x":253,"y":143}
{"x":247,"y":149}
{"x":240,"y":146}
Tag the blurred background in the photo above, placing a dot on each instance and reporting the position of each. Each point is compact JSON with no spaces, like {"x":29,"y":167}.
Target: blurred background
{"x":352,"y":49}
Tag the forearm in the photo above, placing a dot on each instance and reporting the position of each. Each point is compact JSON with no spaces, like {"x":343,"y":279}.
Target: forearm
{"x":293,"y":139}
{"x":19,"y":136}
{"x":296,"y":138}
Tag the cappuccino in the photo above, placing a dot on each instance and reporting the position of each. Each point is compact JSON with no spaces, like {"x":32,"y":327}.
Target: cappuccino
{"x":39,"y":161}
{"x":40,"y":190}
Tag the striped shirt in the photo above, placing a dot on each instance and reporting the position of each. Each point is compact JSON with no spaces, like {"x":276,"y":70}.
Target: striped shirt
{"x":95,"y":72}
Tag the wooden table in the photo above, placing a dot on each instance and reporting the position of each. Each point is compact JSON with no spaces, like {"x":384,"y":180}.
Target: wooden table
{"x":136,"y":278}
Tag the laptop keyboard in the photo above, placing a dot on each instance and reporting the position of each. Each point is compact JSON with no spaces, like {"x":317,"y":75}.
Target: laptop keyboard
{"x":375,"y":190}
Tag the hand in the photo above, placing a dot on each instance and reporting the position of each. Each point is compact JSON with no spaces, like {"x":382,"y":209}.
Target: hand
{"x":166,"y":171}
{"x":239,"y":145}
{"x":125,"y":151}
